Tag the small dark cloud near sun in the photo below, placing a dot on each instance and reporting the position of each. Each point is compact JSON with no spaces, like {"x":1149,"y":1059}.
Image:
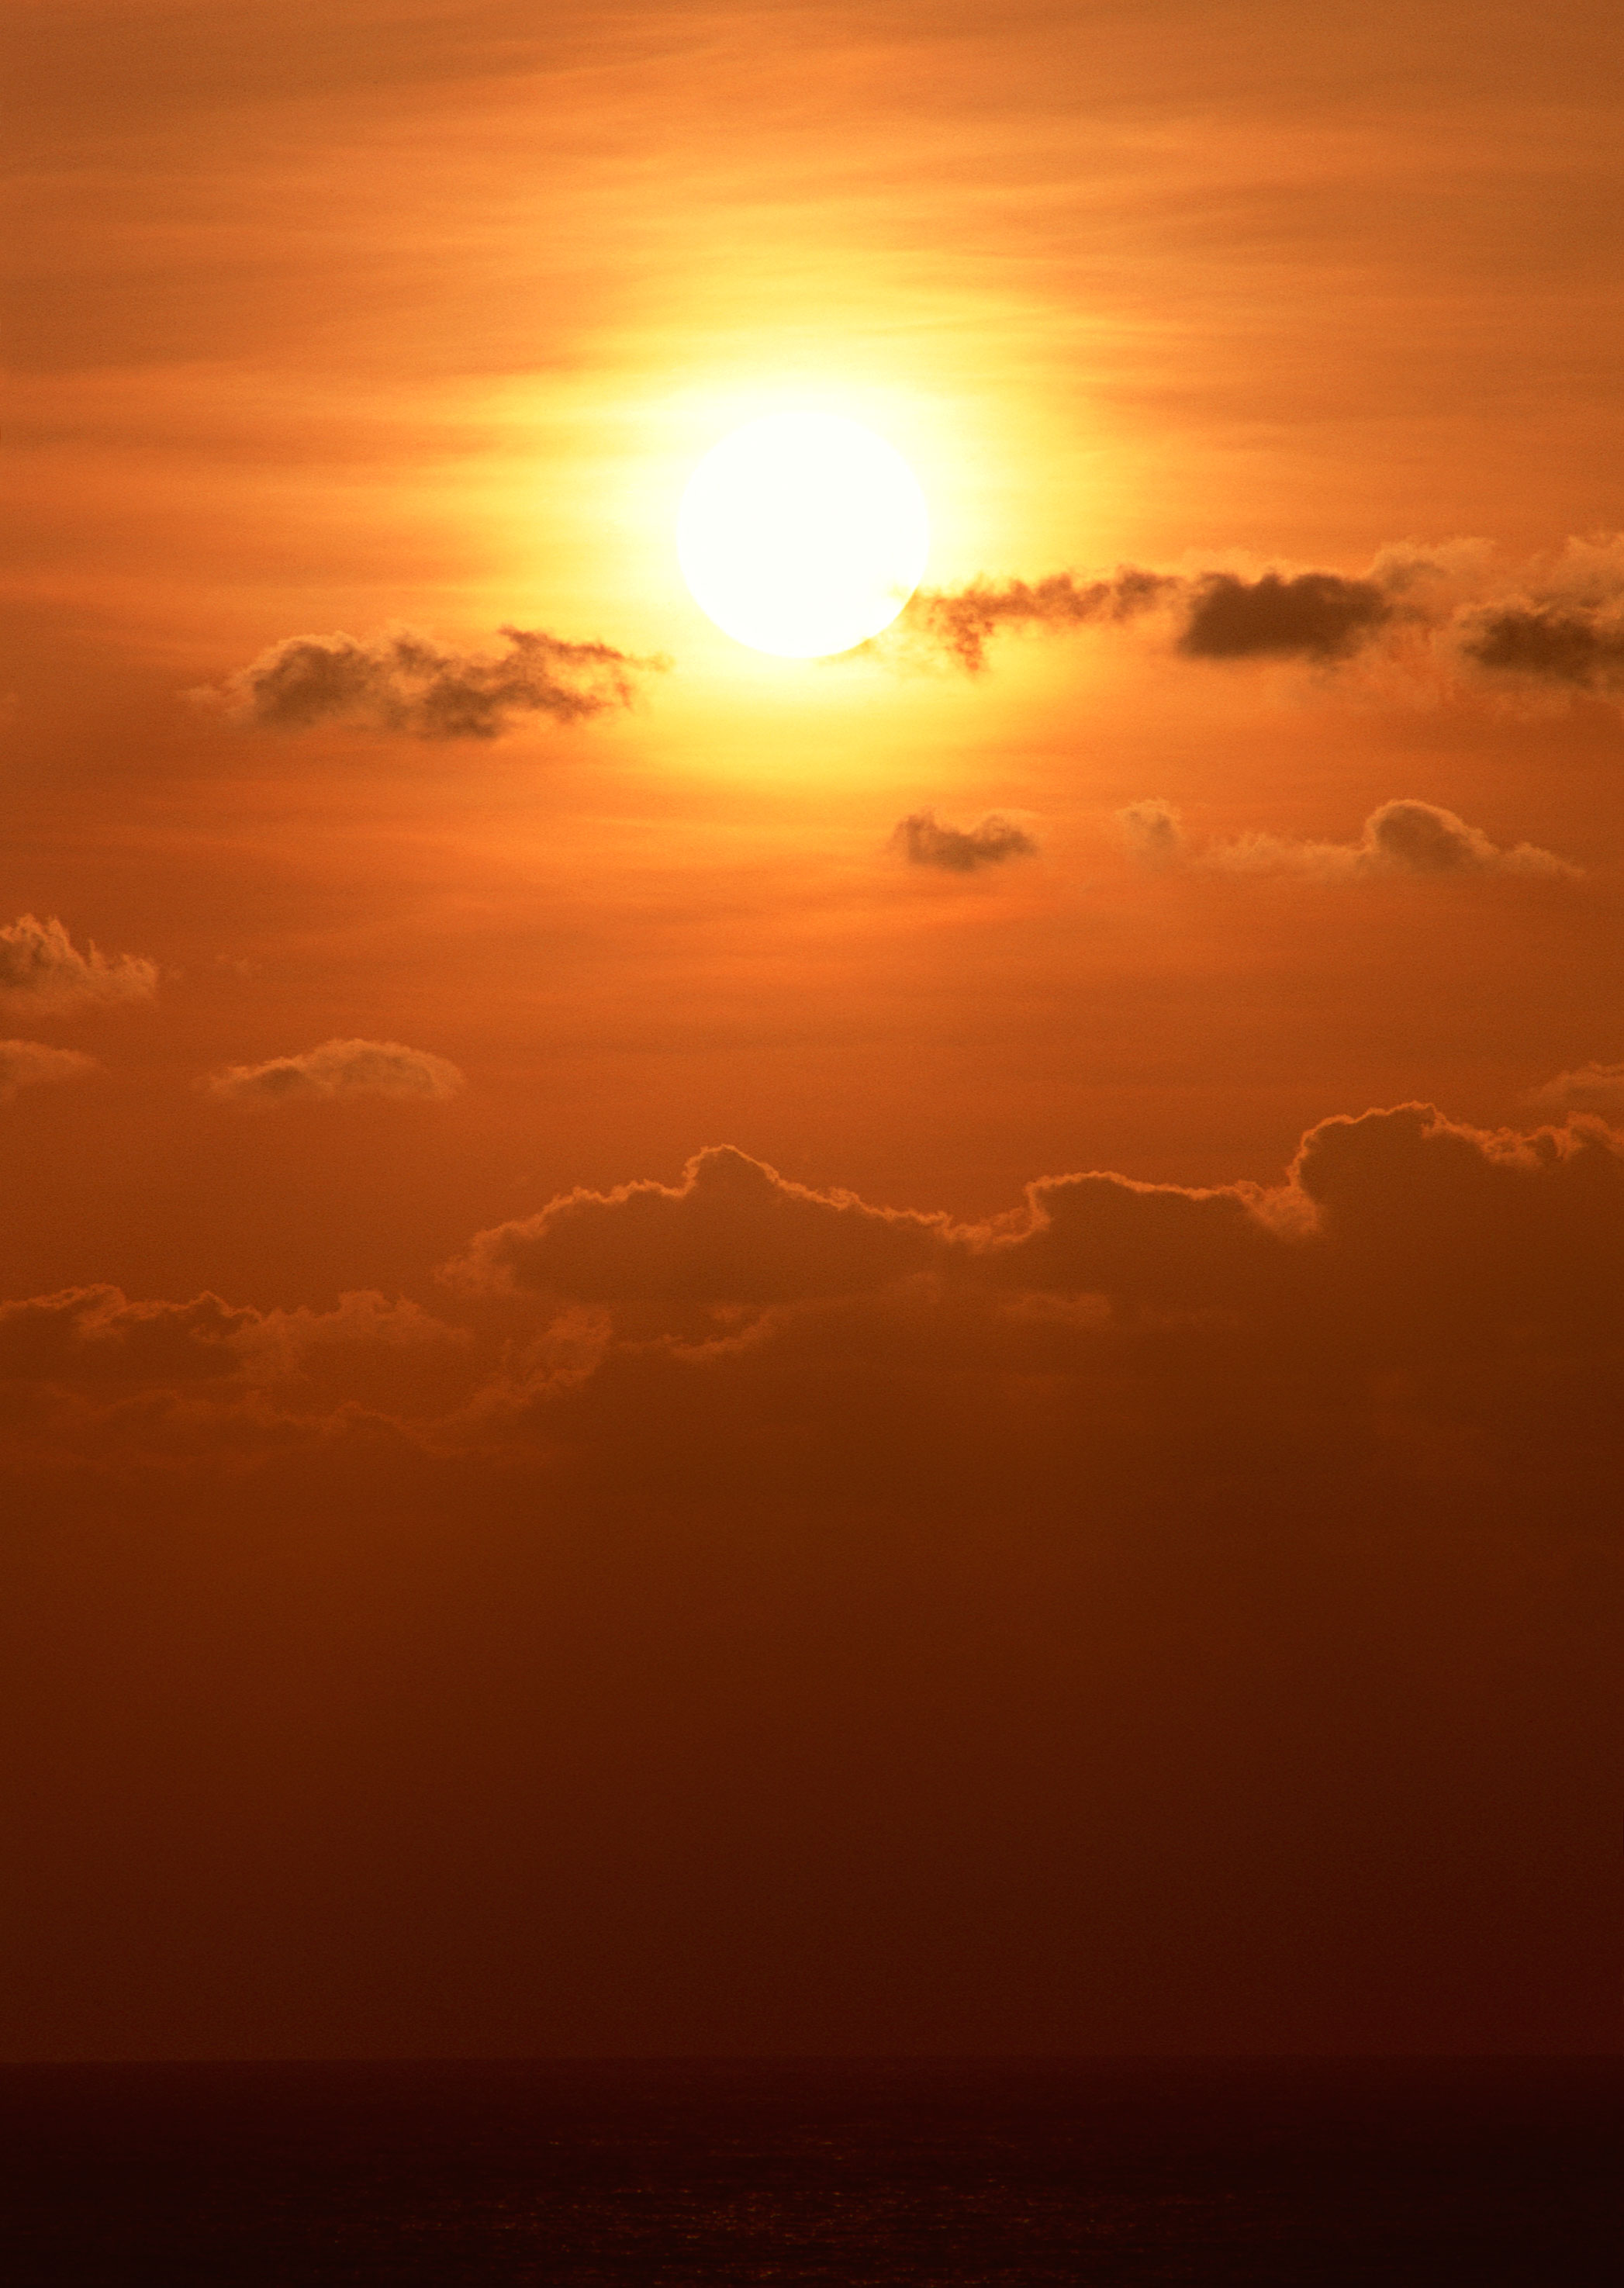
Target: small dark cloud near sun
{"x":403,"y":681}
{"x":340,"y":1069}
{"x":958,"y":623}
{"x":42,"y":970}
{"x":924,"y":841}
{"x":1313,"y":616}
{"x":1402,"y":837}
{"x":1562,"y":624}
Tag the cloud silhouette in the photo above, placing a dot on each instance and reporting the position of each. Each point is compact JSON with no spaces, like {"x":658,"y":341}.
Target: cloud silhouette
{"x":1310,"y":616}
{"x":958,"y":623}
{"x":42,"y":970}
{"x":1403,"y":837}
{"x":1553,"y":642}
{"x":925,"y":841}
{"x":403,"y":682}
{"x":1561,"y":623}
{"x":732,"y":1231}
{"x":340,"y":1069}
{"x":1403,"y":1307}
{"x":28,"y":1064}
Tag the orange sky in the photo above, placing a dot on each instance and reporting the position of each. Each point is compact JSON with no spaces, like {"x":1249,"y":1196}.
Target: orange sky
{"x":758,"y":1622}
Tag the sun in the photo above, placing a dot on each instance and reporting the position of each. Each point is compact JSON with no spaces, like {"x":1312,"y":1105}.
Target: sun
{"x":802,"y":534}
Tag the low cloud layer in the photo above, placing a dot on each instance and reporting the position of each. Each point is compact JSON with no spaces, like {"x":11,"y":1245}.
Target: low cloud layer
{"x":924,"y":841}
{"x":1559,"y":624}
{"x":1404,"y":836}
{"x":1147,"y":1564}
{"x":1407,"y":1300}
{"x":30,"y":1064}
{"x":403,"y":682}
{"x":43,"y":971}
{"x":340,"y":1069}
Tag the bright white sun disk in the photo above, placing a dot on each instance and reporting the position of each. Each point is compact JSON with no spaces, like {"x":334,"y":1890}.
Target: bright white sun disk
{"x":802,"y":534}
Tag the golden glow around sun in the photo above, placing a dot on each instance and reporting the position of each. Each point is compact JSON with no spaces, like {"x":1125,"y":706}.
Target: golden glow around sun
{"x":802,"y":534}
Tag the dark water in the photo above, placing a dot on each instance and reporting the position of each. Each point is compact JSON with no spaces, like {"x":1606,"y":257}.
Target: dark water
{"x":1288,"y":2173}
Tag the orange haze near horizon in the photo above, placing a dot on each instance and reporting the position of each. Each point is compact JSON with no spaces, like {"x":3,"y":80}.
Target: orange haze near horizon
{"x":701,"y":1353}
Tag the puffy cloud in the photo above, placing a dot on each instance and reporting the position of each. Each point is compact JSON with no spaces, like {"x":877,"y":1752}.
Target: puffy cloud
{"x":1403,"y":837}
{"x":1309,"y":615}
{"x":732,"y":1231}
{"x":1563,"y":626}
{"x":1588,"y":1088}
{"x":1553,"y":641}
{"x":341,"y":1068}
{"x":403,"y":681}
{"x":27,"y":1064}
{"x":925,"y":841}
{"x":42,"y":970}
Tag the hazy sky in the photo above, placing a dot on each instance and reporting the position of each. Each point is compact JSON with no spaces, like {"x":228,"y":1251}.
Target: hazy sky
{"x":910,"y":1353}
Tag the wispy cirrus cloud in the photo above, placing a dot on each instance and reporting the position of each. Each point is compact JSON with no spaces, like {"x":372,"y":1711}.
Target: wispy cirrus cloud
{"x":403,"y":681}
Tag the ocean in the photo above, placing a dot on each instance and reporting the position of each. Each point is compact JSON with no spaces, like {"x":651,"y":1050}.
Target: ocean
{"x":1004,"y":2174}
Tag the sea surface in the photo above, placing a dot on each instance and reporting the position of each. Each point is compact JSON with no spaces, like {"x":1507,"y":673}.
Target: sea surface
{"x":1003,"y":2174}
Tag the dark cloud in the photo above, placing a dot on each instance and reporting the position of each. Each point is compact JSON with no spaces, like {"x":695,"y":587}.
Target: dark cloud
{"x":1320,"y":615}
{"x":1309,"y":615}
{"x":340,"y":1069}
{"x":958,"y":623}
{"x":1562,"y":624}
{"x":1173,"y":1580}
{"x":1403,"y":837}
{"x":1417,"y":1295}
{"x":732,"y":1231}
{"x":403,"y":682}
{"x":28,"y":1064}
{"x":1554,"y":643}
{"x":925,"y":841}
{"x":42,"y":970}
